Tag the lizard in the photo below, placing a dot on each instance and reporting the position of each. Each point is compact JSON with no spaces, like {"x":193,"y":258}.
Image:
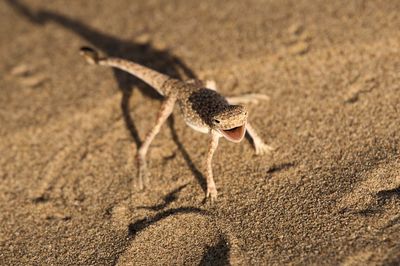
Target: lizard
{"x":202,"y":107}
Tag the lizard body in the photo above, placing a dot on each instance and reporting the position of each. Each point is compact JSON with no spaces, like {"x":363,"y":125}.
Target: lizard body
{"x":203,"y":109}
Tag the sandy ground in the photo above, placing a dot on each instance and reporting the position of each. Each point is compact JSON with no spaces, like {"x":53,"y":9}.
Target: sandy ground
{"x":328,"y":195}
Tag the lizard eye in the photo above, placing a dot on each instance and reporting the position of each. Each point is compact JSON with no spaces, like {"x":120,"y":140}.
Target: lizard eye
{"x":216,"y":121}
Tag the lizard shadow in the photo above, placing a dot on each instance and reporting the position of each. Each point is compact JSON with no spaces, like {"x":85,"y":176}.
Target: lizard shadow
{"x":139,"y":225}
{"x":217,"y":254}
{"x":168,"y":199}
{"x":144,"y":54}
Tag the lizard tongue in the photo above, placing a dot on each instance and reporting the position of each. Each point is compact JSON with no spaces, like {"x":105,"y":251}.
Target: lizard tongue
{"x":235,"y":134}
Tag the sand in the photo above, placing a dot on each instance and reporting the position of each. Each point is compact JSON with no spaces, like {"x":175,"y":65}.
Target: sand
{"x":328,"y":195}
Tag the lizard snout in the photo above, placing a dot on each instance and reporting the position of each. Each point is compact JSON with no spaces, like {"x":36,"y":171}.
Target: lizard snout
{"x":231,"y":123}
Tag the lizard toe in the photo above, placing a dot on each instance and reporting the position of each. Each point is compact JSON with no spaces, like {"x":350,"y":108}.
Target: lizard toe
{"x":262,"y":149}
{"x":211,"y":194}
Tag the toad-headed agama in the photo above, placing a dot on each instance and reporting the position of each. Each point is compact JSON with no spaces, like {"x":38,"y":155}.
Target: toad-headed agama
{"x":203,"y":109}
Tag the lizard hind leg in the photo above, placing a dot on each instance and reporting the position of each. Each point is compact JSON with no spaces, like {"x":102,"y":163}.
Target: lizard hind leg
{"x":165,"y":111}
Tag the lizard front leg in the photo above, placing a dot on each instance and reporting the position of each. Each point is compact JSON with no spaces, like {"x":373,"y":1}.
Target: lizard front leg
{"x":259,"y":145}
{"x":212,"y":146}
{"x":164,"y":112}
{"x":247,"y":98}
{"x":241,"y":99}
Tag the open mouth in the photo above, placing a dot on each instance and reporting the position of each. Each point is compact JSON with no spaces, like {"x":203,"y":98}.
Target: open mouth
{"x":235,"y":134}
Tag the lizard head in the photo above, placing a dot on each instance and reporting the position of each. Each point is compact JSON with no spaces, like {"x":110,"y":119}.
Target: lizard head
{"x":231,"y":122}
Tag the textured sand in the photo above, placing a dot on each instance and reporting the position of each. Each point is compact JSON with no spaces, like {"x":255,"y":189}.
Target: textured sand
{"x":329,"y":194}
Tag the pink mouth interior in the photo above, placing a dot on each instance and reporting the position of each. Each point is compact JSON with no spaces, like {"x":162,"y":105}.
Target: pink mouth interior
{"x":234,"y":134}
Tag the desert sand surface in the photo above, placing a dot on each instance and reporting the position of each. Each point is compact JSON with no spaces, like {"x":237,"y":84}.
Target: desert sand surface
{"x":328,"y":195}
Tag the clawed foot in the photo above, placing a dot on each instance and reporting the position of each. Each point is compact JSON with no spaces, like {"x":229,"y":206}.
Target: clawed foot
{"x":262,"y":148}
{"x":211,"y":194}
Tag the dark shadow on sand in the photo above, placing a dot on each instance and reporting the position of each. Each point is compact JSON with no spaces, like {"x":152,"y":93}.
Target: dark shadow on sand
{"x":387,"y":194}
{"x":136,"y":227}
{"x":217,"y":254}
{"x":168,"y":199}
{"x":144,"y":54}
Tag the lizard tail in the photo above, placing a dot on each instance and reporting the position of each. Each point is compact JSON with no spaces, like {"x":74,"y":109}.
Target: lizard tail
{"x":151,"y":77}
{"x":91,"y":56}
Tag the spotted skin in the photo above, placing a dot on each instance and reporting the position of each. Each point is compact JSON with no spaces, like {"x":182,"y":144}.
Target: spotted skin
{"x":203,"y":109}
